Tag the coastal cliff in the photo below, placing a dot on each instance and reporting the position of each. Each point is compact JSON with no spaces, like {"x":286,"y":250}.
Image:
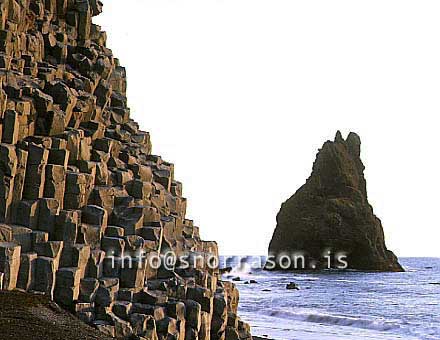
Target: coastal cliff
{"x":329,"y":219}
{"x":82,"y":195}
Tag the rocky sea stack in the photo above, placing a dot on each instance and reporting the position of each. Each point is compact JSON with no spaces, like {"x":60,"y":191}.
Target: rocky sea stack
{"x":84,"y":204}
{"x":329,"y":218}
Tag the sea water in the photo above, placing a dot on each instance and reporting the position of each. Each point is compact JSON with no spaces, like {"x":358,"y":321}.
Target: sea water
{"x":335,"y":305}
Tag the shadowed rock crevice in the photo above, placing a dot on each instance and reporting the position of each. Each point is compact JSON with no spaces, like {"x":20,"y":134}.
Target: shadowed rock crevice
{"x":330,"y":215}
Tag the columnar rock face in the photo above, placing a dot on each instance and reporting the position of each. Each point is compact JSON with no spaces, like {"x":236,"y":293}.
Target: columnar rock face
{"x":328,"y":221}
{"x":84,"y":204}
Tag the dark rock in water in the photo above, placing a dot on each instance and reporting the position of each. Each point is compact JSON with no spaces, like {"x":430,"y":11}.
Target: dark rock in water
{"x":236,"y":279}
{"x":225,"y":270}
{"x":249,"y":282}
{"x":292,"y":286}
{"x":328,"y":222}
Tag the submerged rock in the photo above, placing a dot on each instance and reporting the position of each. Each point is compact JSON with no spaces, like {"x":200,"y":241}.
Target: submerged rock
{"x":328,"y":222}
{"x":292,"y":286}
{"x":225,"y":270}
{"x":250,"y":282}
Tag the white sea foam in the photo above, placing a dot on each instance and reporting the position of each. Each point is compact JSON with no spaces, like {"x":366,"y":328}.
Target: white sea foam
{"x":345,"y":305}
{"x":346,"y":281}
{"x":311,"y":316}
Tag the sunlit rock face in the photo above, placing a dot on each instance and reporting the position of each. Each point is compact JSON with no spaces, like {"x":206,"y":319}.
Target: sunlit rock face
{"x":84,"y":202}
{"x":328,"y":222}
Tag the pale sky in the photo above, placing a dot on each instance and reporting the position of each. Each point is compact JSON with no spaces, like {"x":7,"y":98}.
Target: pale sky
{"x":240,"y":94}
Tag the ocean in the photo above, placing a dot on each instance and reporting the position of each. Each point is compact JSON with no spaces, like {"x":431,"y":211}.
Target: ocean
{"x":335,"y":305}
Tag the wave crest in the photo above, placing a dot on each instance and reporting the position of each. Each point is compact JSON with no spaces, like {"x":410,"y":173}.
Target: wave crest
{"x":328,"y":319}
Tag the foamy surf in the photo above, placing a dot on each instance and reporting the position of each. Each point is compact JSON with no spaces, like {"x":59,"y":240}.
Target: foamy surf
{"x":344,"y":305}
{"x":326,"y":319}
{"x":301,"y":330}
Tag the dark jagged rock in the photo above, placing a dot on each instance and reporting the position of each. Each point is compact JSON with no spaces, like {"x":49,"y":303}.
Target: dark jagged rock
{"x":292,"y":286}
{"x":330,"y":216}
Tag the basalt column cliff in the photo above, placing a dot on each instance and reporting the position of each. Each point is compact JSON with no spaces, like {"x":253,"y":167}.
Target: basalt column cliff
{"x":82,"y":194}
{"x":330,"y":216}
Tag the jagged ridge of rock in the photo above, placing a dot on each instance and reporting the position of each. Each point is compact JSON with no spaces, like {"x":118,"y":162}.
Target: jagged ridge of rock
{"x":79,"y":183}
{"x":330,"y":215}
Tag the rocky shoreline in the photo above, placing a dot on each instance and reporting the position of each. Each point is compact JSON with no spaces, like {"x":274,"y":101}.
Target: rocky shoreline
{"x":81,"y":189}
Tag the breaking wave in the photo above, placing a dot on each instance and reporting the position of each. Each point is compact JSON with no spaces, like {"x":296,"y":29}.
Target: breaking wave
{"x":327,"y":319}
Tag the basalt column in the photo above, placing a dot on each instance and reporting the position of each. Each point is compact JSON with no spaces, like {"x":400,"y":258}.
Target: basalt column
{"x":82,"y":194}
